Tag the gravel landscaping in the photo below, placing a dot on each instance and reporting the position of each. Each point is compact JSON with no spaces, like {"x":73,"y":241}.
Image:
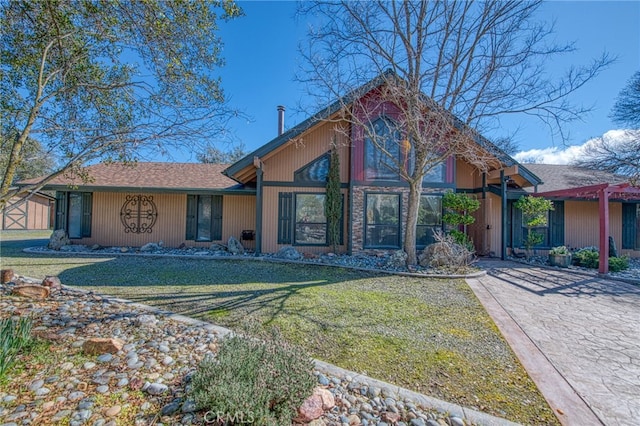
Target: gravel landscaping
{"x":428,"y":335}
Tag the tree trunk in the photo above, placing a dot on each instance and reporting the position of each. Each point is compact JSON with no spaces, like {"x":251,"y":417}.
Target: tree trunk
{"x":412,"y":220}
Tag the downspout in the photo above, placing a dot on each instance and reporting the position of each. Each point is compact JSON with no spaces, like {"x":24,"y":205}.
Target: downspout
{"x":503,"y":194}
{"x":258,"y":163}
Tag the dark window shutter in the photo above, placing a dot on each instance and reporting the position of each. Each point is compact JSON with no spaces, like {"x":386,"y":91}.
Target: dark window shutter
{"x":556,"y":224}
{"x":629,"y":224}
{"x":216,"y":217}
{"x":192,"y":207}
{"x":87,"y":207}
{"x":285,"y":213}
{"x":61,"y":210}
{"x":517,"y":230}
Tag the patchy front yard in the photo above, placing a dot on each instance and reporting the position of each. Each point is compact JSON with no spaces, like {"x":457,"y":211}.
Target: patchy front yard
{"x":432,"y":336}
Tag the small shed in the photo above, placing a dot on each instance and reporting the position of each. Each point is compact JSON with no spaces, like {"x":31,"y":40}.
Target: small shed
{"x":31,"y":213}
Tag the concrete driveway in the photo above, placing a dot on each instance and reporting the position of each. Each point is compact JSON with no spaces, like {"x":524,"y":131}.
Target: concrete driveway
{"x":577,"y":335}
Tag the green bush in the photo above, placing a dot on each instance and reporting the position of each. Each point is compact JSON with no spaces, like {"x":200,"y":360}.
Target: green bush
{"x":587,"y":257}
{"x":14,"y":336}
{"x":256,"y":381}
{"x":617,"y":264}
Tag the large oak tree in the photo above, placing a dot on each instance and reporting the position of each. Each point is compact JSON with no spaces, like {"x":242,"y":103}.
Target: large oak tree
{"x":455,"y":66}
{"x":96,"y":80}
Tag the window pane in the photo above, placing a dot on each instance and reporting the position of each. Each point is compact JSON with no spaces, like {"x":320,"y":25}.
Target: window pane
{"x":430,"y":212}
{"x":204,"y":218}
{"x":436,"y":174}
{"x":310,"y":208}
{"x":311,"y":233}
{"x":424,"y":235}
{"x":383,"y":219}
{"x":377,"y":164}
{"x":75,"y":215}
{"x":311,"y":223}
{"x":383,"y":209}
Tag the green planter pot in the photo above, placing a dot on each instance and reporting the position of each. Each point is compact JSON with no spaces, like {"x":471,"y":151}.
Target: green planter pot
{"x":562,"y":260}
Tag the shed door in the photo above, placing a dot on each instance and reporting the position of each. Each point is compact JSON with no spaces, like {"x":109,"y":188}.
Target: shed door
{"x":15,"y":216}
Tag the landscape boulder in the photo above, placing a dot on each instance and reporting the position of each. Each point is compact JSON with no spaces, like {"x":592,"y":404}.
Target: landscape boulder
{"x":314,"y":407}
{"x":150,"y":247}
{"x":101,"y":345}
{"x":31,"y":291}
{"x":234,"y":246}
{"x":442,"y":254}
{"x":58,"y":239}
{"x":52,"y":282}
{"x":288,"y":253}
{"x":218,"y":247}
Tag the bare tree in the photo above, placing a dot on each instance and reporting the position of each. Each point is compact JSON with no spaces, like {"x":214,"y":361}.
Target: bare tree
{"x":620,"y":154}
{"x":101,"y":80}
{"x":626,"y":110}
{"x":453,"y":66}
{"x":217,"y":155}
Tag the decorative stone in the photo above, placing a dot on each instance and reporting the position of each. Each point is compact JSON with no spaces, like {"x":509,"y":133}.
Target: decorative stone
{"x":113,"y":411}
{"x":6,"y":276}
{"x":313,"y":407}
{"x":100,"y":345}
{"x":156,"y":389}
{"x":218,"y":247}
{"x":32,"y":291}
{"x":146,"y":320}
{"x":52,"y":282}
{"x":58,"y":239}
{"x":150,"y":247}
{"x":234,"y":246}
{"x":398,"y":259}
{"x":288,"y":253}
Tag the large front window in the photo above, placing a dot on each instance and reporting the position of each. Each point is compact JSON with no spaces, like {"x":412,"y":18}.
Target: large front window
{"x":382,"y":220}
{"x":382,"y":151}
{"x":311,"y":222}
{"x":429,"y":219}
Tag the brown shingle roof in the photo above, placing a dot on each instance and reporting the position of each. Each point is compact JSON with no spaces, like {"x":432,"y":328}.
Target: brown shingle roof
{"x":176,"y":176}
{"x":557,"y":177}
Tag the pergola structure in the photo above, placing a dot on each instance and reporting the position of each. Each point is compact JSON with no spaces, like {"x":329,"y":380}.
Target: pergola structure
{"x":603,"y":193}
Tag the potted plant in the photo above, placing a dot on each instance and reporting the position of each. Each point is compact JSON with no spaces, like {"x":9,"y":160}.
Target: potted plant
{"x":560,"y":256}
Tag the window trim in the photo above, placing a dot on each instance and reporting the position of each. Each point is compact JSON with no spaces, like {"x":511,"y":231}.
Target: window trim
{"x":365,"y":242}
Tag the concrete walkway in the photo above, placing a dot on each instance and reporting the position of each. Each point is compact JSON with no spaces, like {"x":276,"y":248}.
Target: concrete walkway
{"x":577,"y":335}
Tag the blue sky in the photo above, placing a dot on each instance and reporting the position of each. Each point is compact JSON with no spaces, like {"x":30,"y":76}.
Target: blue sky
{"x":260,"y":50}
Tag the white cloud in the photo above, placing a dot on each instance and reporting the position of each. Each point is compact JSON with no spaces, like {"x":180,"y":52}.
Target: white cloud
{"x":565,"y":155}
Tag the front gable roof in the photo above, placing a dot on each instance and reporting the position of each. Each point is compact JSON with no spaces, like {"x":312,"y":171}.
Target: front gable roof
{"x":244,"y":170}
{"x":174,"y":177}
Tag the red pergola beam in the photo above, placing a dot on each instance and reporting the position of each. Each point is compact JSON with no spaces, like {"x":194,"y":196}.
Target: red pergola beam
{"x":602,"y":192}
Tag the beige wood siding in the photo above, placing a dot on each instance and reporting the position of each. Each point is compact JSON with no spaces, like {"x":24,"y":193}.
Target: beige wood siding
{"x":238,"y":214}
{"x":270,"y":220}
{"x":107,"y":230}
{"x":467,"y":176}
{"x":300,"y":152}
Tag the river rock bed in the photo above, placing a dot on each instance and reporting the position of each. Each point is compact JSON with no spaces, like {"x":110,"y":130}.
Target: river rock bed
{"x":144,"y":380}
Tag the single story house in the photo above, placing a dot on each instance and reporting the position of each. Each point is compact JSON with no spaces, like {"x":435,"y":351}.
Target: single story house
{"x":274,"y":196}
{"x":34,"y":212}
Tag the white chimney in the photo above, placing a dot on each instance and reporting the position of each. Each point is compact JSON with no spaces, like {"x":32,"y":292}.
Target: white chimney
{"x":280,"y":119}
